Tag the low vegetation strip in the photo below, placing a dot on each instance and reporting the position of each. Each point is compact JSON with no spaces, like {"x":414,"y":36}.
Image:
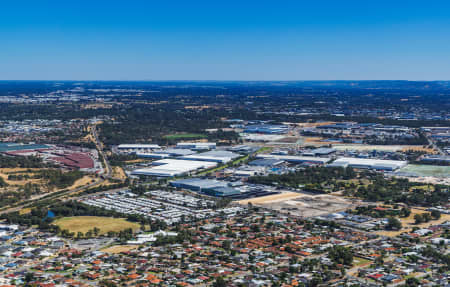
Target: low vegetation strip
{"x":184,"y":136}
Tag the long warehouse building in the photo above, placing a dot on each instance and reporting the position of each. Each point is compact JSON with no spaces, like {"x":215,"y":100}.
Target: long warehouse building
{"x":368,"y":163}
{"x":173,"y":167}
{"x":295,"y":159}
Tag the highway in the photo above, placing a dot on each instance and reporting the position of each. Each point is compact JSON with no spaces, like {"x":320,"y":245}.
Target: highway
{"x":99,"y":146}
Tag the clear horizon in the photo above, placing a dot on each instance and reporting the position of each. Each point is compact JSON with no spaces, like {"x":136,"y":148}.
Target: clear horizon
{"x":232,"y":41}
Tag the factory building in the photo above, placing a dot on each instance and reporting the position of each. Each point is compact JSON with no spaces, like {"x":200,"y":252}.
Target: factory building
{"x":213,"y":156}
{"x":266,"y":129}
{"x":368,"y":163}
{"x":206,"y":186}
{"x":437,"y":159}
{"x":319,"y":152}
{"x":197,"y":145}
{"x":167,"y":153}
{"x":269,"y":162}
{"x":295,"y":158}
{"x":173,"y":167}
{"x":134,"y":148}
{"x":8,"y":147}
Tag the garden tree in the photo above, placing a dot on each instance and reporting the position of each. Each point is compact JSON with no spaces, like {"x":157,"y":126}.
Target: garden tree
{"x":418,"y":218}
{"x":220,"y":282}
{"x":29,"y":277}
{"x":341,"y":255}
{"x":436,"y":214}
{"x":405,"y":212}
{"x":426,"y":217}
{"x":226,"y":245}
{"x":393,"y":224}
{"x":412,"y":282}
{"x":436,"y":255}
{"x":96,"y":231}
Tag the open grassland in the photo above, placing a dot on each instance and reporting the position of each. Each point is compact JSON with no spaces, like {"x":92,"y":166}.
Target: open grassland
{"x":85,"y":180}
{"x":86,"y":223}
{"x":184,"y":136}
{"x":30,"y":172}
{"x":24,"y":211}
{"x":119,"y":173}
{"x":5,"y":172}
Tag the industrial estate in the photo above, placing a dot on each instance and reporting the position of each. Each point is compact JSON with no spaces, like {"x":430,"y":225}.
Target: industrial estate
{"x":224,"y":184}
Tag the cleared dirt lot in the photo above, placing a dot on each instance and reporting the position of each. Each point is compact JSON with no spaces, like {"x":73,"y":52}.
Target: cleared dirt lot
{"x":271,"y":198}
{"x":119,"y":248}
{"x":119,"y":173}
{"x":300,"y":204}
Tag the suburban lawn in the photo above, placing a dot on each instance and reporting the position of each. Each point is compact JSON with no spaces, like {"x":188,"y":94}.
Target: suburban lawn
{"x":86,"y":223}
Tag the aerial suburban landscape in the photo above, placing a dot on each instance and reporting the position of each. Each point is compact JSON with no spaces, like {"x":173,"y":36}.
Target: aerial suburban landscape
{"x":224,"y":183}
{"x":224,"y":143}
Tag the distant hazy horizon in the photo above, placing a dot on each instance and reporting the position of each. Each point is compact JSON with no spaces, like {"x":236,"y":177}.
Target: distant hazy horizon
{"x":224,"y":41}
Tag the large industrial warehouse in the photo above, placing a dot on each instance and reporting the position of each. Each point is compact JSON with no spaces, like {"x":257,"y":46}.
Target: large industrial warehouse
{"x":197,"y":145}
{"x":378,"y":164}
{"x":173,"y":167}
{"x":295,"y":159}
{"x":220,"y":156}
{"x":133,"y":148}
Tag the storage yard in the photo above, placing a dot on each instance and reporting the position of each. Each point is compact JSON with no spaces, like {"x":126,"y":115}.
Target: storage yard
{"x":159,"y":206}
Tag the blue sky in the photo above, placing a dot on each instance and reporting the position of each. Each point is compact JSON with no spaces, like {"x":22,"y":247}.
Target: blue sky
{"x":224,"y":40}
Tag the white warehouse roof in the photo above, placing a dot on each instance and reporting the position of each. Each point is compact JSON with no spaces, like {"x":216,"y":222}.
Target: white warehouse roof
{"x":380,"y":164}
{"x":197,"y":145}
{"x":295,"y":158}
{"x":213,"y":156}
{"x":173,"y":167}
{"x":139,"y":146}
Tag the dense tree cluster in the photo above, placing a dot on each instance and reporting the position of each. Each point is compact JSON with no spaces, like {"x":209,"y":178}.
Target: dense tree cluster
{"x":21,"y":162}
{"x":314,"y":178}
{"x":59,"y":179}
{"x":402,"y":191}
{"x":341,"y":255}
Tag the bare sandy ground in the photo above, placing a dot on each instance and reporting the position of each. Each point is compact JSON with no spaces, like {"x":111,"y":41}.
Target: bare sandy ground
{"x":119,"y":248}
{"x":271,"y":198}
{"x":299,"y":204}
